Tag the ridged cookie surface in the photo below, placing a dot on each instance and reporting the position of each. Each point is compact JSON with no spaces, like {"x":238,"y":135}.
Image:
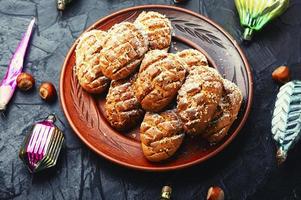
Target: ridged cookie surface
{"x":123,"y":50}
{"x":193,"y":58}
{"x":198,"y":98}
{"x":226,"y":113}
{"x":161,"y":135}
{"x":122,"y":109}
{"x":157,"y":27}
{"x":160,"y":77}
{"x":87,"y":67}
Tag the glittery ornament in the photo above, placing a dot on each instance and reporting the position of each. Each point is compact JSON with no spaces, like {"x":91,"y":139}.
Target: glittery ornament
{"x":42,"y":145}
{"x":255,"y":14}
{"x":286,"y":121}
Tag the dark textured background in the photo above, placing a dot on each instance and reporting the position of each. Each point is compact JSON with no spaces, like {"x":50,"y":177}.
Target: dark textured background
{"x":245,"y":170}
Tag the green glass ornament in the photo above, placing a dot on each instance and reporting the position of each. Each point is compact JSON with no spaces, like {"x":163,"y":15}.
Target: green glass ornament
{"x":255,"y":14}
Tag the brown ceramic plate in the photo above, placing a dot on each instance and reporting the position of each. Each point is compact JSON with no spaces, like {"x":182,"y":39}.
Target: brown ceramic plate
{"x":191,"y":30}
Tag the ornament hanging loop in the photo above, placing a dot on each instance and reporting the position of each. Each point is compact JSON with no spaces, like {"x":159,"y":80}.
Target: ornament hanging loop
{"x":51,"y":117}
{"x":248,"y":33}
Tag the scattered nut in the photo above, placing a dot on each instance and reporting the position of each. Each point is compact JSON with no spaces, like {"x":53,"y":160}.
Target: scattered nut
{"x":47,"y":91}
{"x":215,"y":193}
{"x":281,"y":74}
{"x":25,"y":81}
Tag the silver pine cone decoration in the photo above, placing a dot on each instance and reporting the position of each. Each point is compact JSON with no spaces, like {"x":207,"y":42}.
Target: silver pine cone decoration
{"x":286,"y":121}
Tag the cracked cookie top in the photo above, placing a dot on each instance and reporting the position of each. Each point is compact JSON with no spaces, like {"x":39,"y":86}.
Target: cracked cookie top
{"x":123,"y":50}
{"x":160,"y":77}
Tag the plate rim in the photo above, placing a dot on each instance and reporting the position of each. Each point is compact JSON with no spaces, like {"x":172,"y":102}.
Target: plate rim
{"x":164,"y":168}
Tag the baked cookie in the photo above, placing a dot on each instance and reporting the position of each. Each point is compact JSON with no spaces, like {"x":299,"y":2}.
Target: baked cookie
{"x":90,"y":43}
{"x":226,"y":113}
{"x":157,"y":27}
{"x":193,"y":58}
{"x":122,"y":109}
{"x":198,"y":99}
{"x":123,"y":50}
{"x":160,"y":77}
{"x":87,"y":66}
{"x":161,"y":135}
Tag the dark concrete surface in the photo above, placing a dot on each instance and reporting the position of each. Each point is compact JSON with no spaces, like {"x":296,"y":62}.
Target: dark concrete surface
{"x":245,"y":170}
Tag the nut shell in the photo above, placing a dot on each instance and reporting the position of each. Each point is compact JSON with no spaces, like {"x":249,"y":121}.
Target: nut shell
{"x":47,"y":91}
{"x":123,"y":50}
{"x":123,"y":110}
{"x":157,"y":27}
{"x":25,"y":81}
{"x":226,"y":113}
{"x":193,"y":58}
{"x":282,"y":74}
{"x":161,"y":135}
{"x":88,"y":69}
{"x":215,"y":193}
{"x":198,"y":99}
{"x":160,"y":77}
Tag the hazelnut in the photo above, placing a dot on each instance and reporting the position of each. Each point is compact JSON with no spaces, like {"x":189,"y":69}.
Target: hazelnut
{"x":281,"y":74}
{"x":25,"y":81}
{"x":47,"y":91}
{"x":215,"y":193}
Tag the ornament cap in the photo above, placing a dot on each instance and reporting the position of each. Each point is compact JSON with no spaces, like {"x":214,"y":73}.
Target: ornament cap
{"x":51,"y":118}
{"x":166,"y":192}
{"x":248,"y":33}
{"x":281,"y":156}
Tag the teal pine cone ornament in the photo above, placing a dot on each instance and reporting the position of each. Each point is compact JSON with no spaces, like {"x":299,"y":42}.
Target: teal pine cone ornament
{"x":286,"y":121}
{"x":255,"y":14}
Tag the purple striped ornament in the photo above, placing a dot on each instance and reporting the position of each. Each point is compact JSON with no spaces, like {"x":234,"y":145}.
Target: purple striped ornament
{"x":41,"y":147}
